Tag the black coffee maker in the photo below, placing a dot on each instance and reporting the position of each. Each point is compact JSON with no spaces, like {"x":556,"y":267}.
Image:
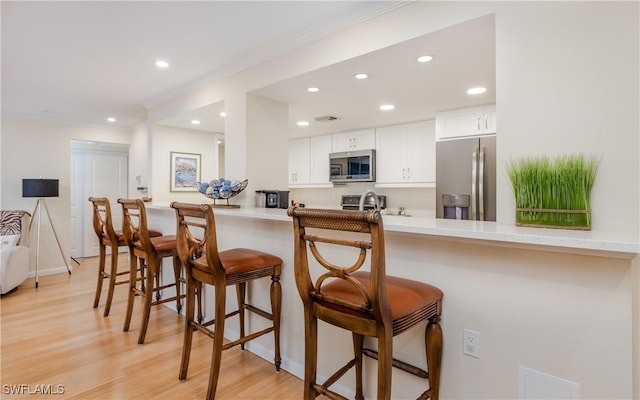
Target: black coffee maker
{"x":276,"y":198}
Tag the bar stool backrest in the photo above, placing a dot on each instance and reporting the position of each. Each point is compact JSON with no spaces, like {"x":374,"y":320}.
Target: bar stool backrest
{"x":196,"y":235}
{"x":326,"y":225}
{"x":102,"y":220}
{"x":134,"y":223}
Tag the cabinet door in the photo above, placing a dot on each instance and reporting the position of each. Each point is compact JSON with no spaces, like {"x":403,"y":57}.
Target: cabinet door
{"x":299,"y":161}
{"x":319,"y":147}
{"x":421,"y":152}
{"x":363,"y":139}
{"x":456,"y":123}
{"x":390,"y":154}
{"x":490,"y":121}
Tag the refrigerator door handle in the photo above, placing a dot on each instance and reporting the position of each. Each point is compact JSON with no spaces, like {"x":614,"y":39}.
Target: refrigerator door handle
{"x":481,"y":186}
{"x":474,"y":180}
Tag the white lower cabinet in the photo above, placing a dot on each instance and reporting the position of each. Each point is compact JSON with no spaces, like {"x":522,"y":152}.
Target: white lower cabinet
{"x":405,"y":155}
{"x":309,"y":161}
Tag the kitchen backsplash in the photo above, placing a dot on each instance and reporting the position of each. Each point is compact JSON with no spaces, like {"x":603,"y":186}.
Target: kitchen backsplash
{"x":417,"y":199}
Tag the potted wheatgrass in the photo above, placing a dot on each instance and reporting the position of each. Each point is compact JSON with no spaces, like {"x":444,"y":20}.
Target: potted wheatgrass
{"x":553,"y":193}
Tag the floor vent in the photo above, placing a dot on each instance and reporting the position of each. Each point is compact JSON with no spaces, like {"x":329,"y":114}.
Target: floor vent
{"x":537,"y":385}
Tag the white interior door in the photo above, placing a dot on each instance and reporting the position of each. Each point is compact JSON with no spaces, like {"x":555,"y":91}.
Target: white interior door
{"x":98,"y":174}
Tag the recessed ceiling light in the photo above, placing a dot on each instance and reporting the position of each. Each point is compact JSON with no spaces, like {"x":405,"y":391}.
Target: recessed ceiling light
{"x":223,"y":114}
{"x":476,"y":90}
{"x":162,"y":64}
{"x":111,"y":119}
{"x":219,"y":141}
{"x":361,"y":76}
{"x":312,"y":89}
{"x":303,"y":123}
{"x":387,"y":107}
{"x":424,"y":59}
{"x":195,"y":121}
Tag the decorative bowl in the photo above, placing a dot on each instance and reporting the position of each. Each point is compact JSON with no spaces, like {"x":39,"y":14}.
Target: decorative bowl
{"x":221,"y":188}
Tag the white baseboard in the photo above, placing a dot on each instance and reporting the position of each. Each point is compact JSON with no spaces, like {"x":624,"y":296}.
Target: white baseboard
{"x":50,"y":271}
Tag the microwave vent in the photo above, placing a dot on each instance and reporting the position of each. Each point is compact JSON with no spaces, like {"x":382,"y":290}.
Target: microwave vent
{"x":327,"y":118}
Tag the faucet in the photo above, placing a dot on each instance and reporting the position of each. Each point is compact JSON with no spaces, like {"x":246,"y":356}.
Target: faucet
{"x":367,"y":194}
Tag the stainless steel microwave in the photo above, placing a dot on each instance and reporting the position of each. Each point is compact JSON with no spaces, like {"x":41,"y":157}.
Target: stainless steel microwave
{"x":352,"y":166}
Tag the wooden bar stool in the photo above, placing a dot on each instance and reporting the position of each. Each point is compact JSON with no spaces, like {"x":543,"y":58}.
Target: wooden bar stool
{"x":198,"y":250}
{"x":148,"y":251}
{"x":107,"y":237}
{"x":365,"y":303}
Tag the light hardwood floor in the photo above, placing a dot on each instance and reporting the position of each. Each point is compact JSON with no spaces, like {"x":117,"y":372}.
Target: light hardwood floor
{"x":53,"y":336}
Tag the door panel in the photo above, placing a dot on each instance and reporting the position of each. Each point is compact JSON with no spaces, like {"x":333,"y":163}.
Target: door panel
{"x":77,"y":206}
{"x":98,"y":174}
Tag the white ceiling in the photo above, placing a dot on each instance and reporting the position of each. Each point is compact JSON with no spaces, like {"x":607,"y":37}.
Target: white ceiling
{"x":84,"y":61}
{"x":464,"y":57}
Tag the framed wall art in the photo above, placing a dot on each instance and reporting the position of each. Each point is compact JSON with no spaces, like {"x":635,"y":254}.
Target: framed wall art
{"x":185,"y":172}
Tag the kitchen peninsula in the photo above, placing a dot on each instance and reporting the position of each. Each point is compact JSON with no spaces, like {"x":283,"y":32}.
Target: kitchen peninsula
{"x":529,"y":292}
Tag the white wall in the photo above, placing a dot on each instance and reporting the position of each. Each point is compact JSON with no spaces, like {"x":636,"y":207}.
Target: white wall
{"x":566,"y":81}
{"x":168,"y":139}
{"x":564,"y":314}
{"x":34,"y":149}
{"x":140,"y":162}
{"x":566,"y":76}
{"x":267,"y":134}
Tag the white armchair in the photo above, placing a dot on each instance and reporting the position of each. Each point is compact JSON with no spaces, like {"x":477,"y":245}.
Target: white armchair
{"x":14,"y":253}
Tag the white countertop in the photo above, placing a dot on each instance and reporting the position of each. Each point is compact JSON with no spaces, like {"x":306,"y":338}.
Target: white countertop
{"x":599,"y":243}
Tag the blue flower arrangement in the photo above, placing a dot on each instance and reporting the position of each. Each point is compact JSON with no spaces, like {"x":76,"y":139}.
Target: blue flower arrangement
{"x":221,"y":188}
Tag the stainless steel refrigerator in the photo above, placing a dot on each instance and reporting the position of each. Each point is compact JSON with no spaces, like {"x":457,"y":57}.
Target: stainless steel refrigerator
{"x":466,"y":177}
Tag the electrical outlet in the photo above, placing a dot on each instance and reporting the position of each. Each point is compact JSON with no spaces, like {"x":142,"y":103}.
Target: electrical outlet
{"x":471,"y":343}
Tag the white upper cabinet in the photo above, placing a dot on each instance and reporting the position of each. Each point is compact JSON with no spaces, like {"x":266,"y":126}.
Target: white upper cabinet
{"x":363,"y":139}
{"x":299,"y":161}
{"x":320,"y":147}
{"x":309,"y":161}
{"x":466,"y":122}
{"x":405,"y":155}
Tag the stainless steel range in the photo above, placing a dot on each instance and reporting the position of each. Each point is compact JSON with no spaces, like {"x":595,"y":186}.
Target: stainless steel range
{"x":352,"y":201}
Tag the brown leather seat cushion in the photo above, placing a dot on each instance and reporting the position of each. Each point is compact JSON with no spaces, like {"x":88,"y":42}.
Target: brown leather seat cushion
{"x":240,"y":261}
{"x":160,"y":243}
{"x":406,"y":296}
{"x":123,"y":242}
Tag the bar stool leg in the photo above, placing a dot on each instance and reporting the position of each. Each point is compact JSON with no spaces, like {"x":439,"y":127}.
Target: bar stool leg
{"x":153,"y":265}
{"x":310,"y":355}
{"x":385,"y":359}
{"x":177,"y":269}
{"x":198,"y":295}
{"x":433,"y":343}
{"x":241,"y":292}
{"x":133,"y":262}
{"x":276,"y":307}
{"x":188,"y":328}
{"x":358,"y":341}
{"x":112,"y":278}
{"x":101,"y":264}
{"x":218,"y":340}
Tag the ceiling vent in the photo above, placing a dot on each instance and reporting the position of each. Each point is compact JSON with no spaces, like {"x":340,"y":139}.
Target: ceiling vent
{"x":326,"y":118}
